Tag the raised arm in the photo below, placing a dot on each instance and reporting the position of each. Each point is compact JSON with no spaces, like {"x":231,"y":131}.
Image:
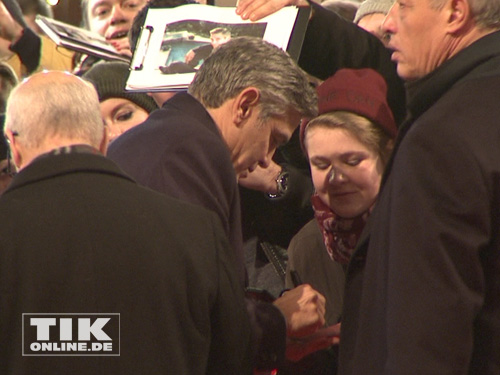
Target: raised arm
{"x":332,"y":43}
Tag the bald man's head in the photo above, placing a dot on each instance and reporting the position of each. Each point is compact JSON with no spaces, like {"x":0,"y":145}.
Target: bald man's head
{"x":54,"y":109}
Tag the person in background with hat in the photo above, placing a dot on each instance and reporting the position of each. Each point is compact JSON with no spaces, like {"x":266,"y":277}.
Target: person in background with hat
{"x":120,"y":110}
{"x":371,"y":14}
{"x":347,"y":146}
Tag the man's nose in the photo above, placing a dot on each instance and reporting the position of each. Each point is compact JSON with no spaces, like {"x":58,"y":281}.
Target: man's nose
{"x":388,"y":25}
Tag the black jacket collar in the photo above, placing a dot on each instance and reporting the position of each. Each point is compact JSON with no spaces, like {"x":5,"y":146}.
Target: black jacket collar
{"x":52,"y":165}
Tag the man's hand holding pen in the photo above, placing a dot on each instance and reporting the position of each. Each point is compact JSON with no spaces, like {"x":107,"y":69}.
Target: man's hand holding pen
{"x":304,"y":311}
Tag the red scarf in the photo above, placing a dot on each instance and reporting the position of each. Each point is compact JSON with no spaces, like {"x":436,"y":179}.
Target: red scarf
{"x":339,"y":235}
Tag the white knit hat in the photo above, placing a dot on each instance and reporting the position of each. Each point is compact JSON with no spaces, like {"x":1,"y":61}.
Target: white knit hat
{"x":372,"y":6}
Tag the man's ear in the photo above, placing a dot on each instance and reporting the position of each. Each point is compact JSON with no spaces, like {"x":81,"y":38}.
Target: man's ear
{"x":459,"y":15}
{"x":245,"y":102}
{"x":14,"y":148}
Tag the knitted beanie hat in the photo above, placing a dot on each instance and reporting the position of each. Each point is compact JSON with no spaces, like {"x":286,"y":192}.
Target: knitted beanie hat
{"x":109,"y":79}
{"x":360,"y":91}
{"x":372,"y":6}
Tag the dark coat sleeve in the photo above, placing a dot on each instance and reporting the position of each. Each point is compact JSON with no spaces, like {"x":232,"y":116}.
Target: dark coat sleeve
{"x":429,"y":278}
{"x":229,"y":311}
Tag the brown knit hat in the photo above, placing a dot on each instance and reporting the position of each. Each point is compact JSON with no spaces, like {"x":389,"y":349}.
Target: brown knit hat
{"x":360,"y":91}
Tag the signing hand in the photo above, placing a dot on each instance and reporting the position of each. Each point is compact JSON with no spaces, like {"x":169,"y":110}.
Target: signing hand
{"x":303,"y":309}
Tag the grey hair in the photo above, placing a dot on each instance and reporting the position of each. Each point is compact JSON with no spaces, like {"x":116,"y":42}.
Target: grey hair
{"x":486,"y":12}
{"x":68,"y":109}
{"x":251,"y":62}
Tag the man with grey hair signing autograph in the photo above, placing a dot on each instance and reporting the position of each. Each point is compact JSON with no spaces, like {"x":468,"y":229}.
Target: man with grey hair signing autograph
{"x":247,"y":99}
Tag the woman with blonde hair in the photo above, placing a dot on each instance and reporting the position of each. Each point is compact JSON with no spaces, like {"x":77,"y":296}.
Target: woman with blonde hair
{"x":347,"y":146}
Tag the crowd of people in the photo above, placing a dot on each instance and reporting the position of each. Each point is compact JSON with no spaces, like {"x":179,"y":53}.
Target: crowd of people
{"x":338,"y":214}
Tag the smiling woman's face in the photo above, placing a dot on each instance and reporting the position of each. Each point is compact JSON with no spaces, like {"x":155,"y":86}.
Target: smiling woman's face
{"x":346,"y":173}
{"x":120,"y":114}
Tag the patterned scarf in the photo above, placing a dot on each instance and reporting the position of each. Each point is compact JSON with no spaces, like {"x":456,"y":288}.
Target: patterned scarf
{"x":339,"y":235}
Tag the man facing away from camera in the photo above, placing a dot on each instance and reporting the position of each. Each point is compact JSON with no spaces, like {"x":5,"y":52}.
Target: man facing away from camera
{"x":80,"y":238}
{"x":247,"y":98}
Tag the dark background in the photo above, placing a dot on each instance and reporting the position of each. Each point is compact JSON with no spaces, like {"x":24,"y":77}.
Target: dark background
{"x":68,"y":11}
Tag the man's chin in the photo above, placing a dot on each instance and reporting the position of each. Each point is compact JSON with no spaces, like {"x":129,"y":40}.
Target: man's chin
{"x":406,"y":73}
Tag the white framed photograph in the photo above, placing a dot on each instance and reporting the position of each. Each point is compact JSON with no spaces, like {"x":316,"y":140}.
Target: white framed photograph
{"x":174,"y":42}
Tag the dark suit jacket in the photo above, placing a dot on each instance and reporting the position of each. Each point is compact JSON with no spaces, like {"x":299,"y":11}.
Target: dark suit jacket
{"x":179,"y":151}
{"x":79,"y":236}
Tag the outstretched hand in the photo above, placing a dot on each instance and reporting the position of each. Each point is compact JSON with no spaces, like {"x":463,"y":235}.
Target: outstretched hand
{"x":254,"y":10}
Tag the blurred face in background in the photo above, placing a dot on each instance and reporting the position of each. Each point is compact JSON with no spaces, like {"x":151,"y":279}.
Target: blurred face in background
{"x":373,"y":24}
{"x":113,"y":19}
{"x":346,"y":173}
{"x":120,"y":115}
{"x":216,"y":39}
